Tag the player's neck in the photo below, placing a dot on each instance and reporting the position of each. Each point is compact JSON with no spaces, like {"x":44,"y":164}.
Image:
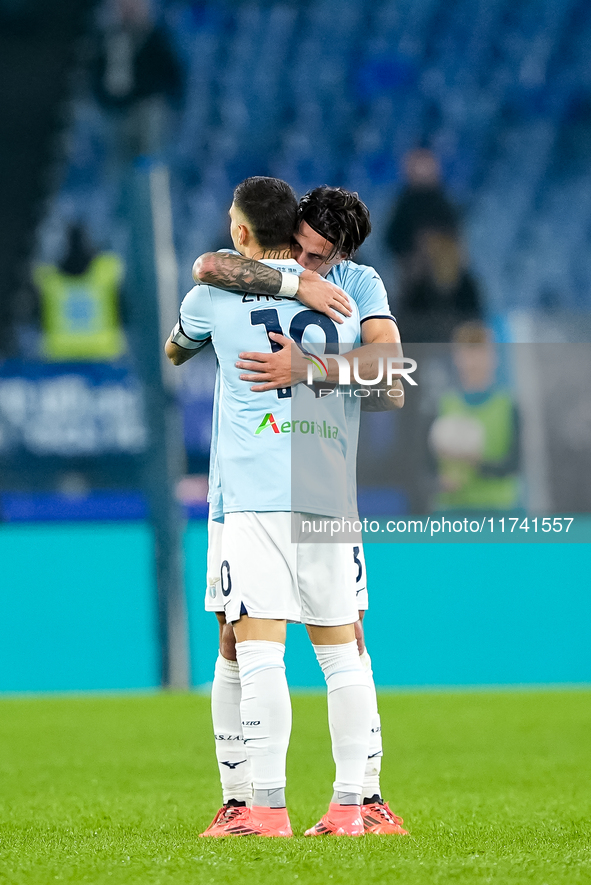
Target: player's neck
{"x":277,"y":253}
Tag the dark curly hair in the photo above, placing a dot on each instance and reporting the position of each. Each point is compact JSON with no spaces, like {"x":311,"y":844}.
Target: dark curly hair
{"x":337,"y":215}
{"x":271,"y":206}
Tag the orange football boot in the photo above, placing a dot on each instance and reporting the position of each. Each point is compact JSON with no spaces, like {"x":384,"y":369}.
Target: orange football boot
{"x":340,"y":820}
{"x":379,"y":818}
{"x":255,"y":821}
{"x":226,"y":815}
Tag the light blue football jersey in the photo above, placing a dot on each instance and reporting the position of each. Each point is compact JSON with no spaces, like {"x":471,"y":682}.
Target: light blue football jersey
{"x":364,"y":285}
{"x":255,"y":433}
{"x":214,"y":483}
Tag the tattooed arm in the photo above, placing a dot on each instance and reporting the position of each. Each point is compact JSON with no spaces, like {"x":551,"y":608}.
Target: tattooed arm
{"x":238,"y":274}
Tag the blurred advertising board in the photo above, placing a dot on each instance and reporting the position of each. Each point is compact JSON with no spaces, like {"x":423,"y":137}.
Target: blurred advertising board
{"x":70,"y":411}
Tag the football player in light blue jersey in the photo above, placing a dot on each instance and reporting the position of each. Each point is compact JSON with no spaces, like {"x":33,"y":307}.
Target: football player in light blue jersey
{"x":269,"y":579}
{"x":367,"y":290}
{"x":323,"y":245}
{"x":255,"y":431}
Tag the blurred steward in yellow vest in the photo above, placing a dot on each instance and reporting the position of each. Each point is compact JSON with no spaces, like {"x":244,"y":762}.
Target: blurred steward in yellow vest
{"x":476,"y":436}
{"x":80,"y":303}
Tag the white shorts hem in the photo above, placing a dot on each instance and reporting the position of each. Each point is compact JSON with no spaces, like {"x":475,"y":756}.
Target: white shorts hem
{"x":214,"y":607}
{"x":293,"y":617}
{"x":329,"y":622}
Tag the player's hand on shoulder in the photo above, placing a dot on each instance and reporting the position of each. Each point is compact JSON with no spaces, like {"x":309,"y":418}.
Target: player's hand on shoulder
{"x":273,"y":371}
{"x":322,"y":295}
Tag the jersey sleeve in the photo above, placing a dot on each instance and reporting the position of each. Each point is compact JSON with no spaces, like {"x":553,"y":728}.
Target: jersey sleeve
{"x":196,"y":318}
{"x":365,"y":286}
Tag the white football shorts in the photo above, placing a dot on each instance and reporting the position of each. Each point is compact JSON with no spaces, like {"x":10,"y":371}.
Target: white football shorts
{"x":214,"y":598}
{"x":214,"y":601}
{"x":265,"y":575}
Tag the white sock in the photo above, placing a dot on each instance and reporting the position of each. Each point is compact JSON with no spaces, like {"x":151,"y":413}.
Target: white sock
{"x":266,"y":714}
{"x":349,"y":715}
{"x":227,"y":728}
{"x":371,"y":781}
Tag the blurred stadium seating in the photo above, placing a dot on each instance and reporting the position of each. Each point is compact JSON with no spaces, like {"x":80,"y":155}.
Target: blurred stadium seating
{"x":313,"y":91}
{"x":336,"y":92}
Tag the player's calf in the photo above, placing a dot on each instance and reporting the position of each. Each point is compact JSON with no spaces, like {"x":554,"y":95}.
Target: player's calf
{"x":230,"y":751}
{"x":266,"y":725}
{"x":349,"y":714}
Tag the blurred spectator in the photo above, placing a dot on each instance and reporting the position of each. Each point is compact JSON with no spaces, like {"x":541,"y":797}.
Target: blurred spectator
{"x":436,"y":290}
{"x":79,"y":302}
{"x":476,"y":436}
{"x":135,"y":77}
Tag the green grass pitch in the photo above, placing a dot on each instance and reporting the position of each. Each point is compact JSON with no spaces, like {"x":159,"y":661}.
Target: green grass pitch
{"x":494,"y":787}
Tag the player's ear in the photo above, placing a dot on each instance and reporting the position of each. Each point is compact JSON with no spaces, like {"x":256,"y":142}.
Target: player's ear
{"x":243,"y":234}
{"x":341,"y":256}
